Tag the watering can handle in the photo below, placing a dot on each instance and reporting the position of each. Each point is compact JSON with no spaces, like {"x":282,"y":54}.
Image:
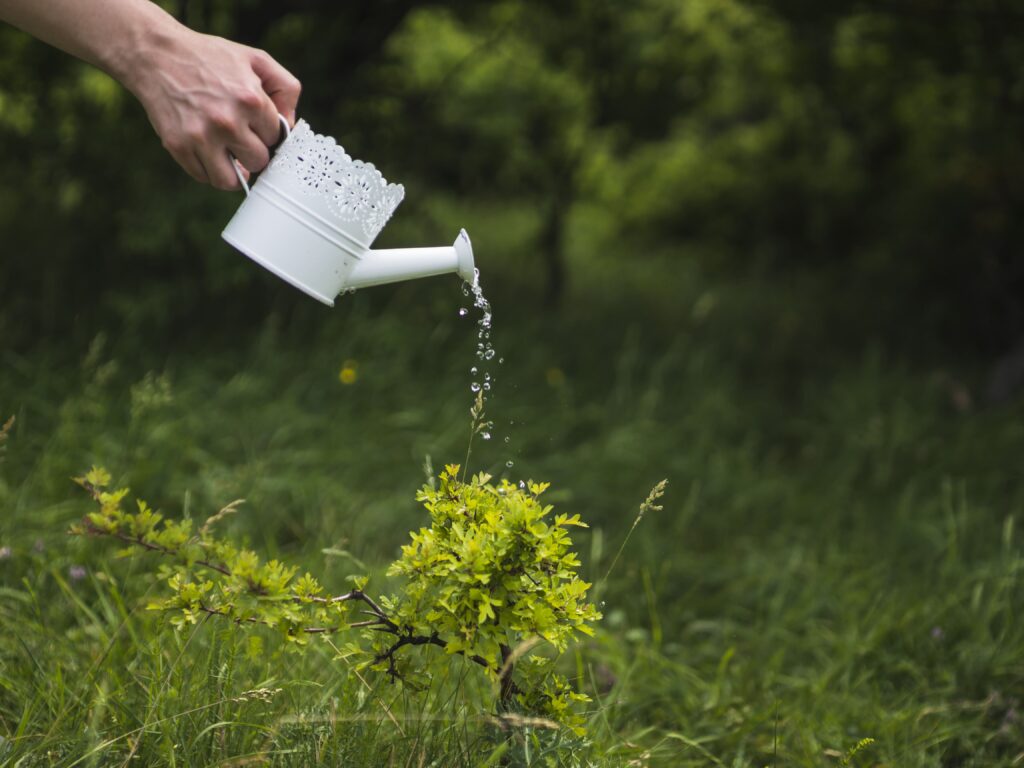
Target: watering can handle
{"x":238,"y":168}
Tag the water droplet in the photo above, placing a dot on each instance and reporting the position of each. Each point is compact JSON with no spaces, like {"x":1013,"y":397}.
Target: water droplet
{"x":522,"y":485}
{"x":507,"y":438}
{"x":463,"y":312}
{"x":485,"y":435}
{"x":484,"y":348}
{"x":501,"y":360}
{"x":509,"y":463}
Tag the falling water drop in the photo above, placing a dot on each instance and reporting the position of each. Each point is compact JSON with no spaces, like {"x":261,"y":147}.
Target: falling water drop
{"x":485,"y":435}
{"x":475,"y":386}
{"x":463,"y":312}
{"x":510,"y":463}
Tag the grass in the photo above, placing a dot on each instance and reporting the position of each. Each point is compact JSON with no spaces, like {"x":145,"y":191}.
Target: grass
{"x":838,"y":557}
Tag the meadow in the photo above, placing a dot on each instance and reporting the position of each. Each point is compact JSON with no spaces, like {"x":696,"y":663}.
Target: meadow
{"x":834,"y":578}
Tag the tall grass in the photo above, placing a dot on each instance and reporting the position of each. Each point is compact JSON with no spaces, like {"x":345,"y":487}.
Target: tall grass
{"x":838,"y":557}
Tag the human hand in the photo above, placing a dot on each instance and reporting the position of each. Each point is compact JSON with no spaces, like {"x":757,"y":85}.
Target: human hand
{"x":208,"y":97}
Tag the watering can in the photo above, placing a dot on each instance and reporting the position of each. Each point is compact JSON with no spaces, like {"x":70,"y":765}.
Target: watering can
{"x":313,"y":213}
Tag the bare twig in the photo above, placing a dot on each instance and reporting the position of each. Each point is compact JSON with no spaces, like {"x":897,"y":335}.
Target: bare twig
{"x":410,"y":639}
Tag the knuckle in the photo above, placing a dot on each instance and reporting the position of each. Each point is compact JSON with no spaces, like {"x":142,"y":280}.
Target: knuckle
{"x":260,"y":156}
{"x":176,"y":144}
{"x":223,"y":182}
{"x":193,"y":135}
{"x":251,"y":98}
{"x":221,"y":120}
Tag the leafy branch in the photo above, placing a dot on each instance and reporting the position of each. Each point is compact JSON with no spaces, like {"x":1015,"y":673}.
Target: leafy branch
{"x":493,"y":572}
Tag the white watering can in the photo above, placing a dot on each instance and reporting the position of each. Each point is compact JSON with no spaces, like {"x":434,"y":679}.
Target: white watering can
{"x":313,"y":213}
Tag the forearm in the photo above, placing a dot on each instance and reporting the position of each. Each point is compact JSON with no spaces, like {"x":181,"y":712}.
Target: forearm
{"x":113,"y":35}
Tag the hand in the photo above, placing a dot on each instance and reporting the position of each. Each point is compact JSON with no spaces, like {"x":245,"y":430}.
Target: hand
{"x":207,"y":97}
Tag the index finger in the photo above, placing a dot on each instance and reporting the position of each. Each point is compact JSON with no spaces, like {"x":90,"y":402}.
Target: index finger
{"x":280,"y":85}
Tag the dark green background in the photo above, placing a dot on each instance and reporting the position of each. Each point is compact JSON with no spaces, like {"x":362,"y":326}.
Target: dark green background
{"x":872,"y":148}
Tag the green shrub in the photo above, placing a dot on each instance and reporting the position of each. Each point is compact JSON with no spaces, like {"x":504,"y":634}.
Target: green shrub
{"x":493,"y":579}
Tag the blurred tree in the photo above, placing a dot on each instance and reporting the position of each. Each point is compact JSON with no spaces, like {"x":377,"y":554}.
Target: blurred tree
{"x":503,"y":121}
{"x":877,"y":144}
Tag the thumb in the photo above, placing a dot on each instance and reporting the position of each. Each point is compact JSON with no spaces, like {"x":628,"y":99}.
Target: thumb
{"x":278,"y":83}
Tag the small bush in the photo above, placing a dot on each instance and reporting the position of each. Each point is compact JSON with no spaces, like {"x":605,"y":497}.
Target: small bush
{"x":493,"y":580}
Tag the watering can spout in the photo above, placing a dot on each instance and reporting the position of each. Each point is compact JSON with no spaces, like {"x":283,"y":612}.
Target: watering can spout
{"x":377,"y":267}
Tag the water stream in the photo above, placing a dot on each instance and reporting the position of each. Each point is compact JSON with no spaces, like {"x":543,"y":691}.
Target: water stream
{"x":481,"y":378}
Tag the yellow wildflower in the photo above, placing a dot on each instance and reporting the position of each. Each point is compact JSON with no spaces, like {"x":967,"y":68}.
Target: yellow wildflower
{"x":348,"y":373}
{"x":555,"y":377}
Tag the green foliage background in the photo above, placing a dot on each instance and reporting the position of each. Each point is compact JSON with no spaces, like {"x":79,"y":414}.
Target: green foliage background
{"x":879,"y":143}
{"x":769,"y":250}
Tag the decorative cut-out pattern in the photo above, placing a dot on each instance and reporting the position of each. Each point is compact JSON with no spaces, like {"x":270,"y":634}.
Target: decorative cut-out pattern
{"x":354,"y":191}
